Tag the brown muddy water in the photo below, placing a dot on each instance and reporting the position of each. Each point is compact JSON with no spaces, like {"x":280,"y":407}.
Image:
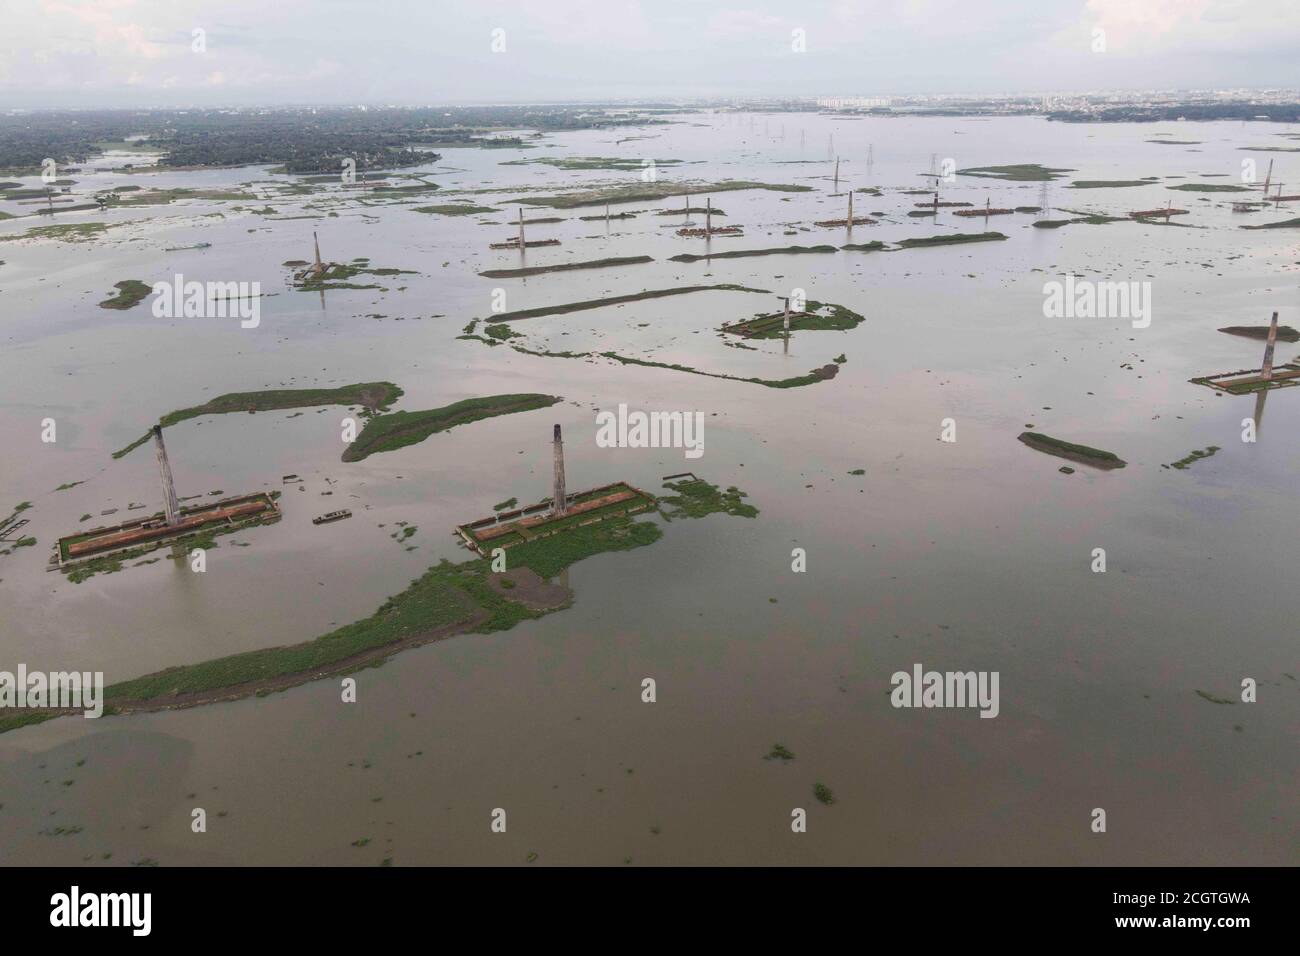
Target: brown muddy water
{"x":971,"y":555}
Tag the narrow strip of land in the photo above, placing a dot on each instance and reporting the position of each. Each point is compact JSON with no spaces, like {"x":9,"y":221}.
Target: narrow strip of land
{"x":616,"y":300}
{"x":565,"y":267}
{"x":399,"y":429}
{"x":374,"y":396}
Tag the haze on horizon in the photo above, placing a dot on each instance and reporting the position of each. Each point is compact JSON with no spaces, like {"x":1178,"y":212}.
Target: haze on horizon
{"x":139,"y":53}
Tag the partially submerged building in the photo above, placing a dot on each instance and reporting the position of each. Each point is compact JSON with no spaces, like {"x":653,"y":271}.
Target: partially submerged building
{"x":173,"y":523}
{"x":561,"y":512}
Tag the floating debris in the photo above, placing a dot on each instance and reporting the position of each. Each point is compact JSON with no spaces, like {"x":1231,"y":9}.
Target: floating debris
{"x":329,"y":516}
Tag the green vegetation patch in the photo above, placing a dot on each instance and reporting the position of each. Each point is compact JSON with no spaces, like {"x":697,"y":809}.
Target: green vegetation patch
{"x":130,"y":292}
{"x":335,"y":275}
{"x":501,"y":332}
{"x":549,"y":556}
{"x":63,"y":232}
{"x":1283,"y":224}
{"x":684,"y":210}
{"x":745,"y":253}
{"x":1285,"y":333}
{"x":374,"y":396}
{"x":696,"y":498}
{"x":817,"y":317}
{"x":1064,"y":449}
{"x":822,"y":374}
{"x":164,"y":197}
{"x":565,"y":267}
{"x":432,"y":601}
{"x":1209,"y":188}
{"x":593,"y":162}
{"x":454,"y":209}
{"x":1020,"y":173}
{"x":1111,"y":183}
{"x":617,"y":300}
{"x":399,"y":429}
{"x":1195,"y":456}
{"x":949,"y":239}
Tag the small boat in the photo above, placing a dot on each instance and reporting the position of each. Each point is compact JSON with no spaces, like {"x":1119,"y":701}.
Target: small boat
{"x":332,"y":516}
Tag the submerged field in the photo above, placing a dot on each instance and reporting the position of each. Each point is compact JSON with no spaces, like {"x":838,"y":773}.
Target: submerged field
{"x":891,"y":516}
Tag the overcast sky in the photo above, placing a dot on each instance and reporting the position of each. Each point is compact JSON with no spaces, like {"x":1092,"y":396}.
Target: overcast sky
{"x":70,"y":53}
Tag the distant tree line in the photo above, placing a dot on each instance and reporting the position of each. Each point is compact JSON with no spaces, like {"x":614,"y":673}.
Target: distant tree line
{"x":300,"y":139}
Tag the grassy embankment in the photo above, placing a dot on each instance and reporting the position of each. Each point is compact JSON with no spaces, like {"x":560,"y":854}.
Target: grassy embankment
{"x":745,"y":253}
{"x":1111,"y":183}
{"x":816,"y":375}
{"x":949,"y":239}
{"x":593,"y":162}
{"x":1210,"y":188}
{"x":1017,"y":173}
{"x":374,"y":396}
{"x":616,"y":300}
{"x":1283,"y":224}
{"x":1080,"y":453}
{"x":565,"y":267}
{"x":399,"y":429}
{"x":1285,"y":333}
{"x":455,"y":209}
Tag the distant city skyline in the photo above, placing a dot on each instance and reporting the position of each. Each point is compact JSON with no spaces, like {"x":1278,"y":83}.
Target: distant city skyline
{"x":177,"y":53}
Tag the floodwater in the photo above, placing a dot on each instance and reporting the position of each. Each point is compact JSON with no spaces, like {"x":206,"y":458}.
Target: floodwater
{"x":966,"y":555}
